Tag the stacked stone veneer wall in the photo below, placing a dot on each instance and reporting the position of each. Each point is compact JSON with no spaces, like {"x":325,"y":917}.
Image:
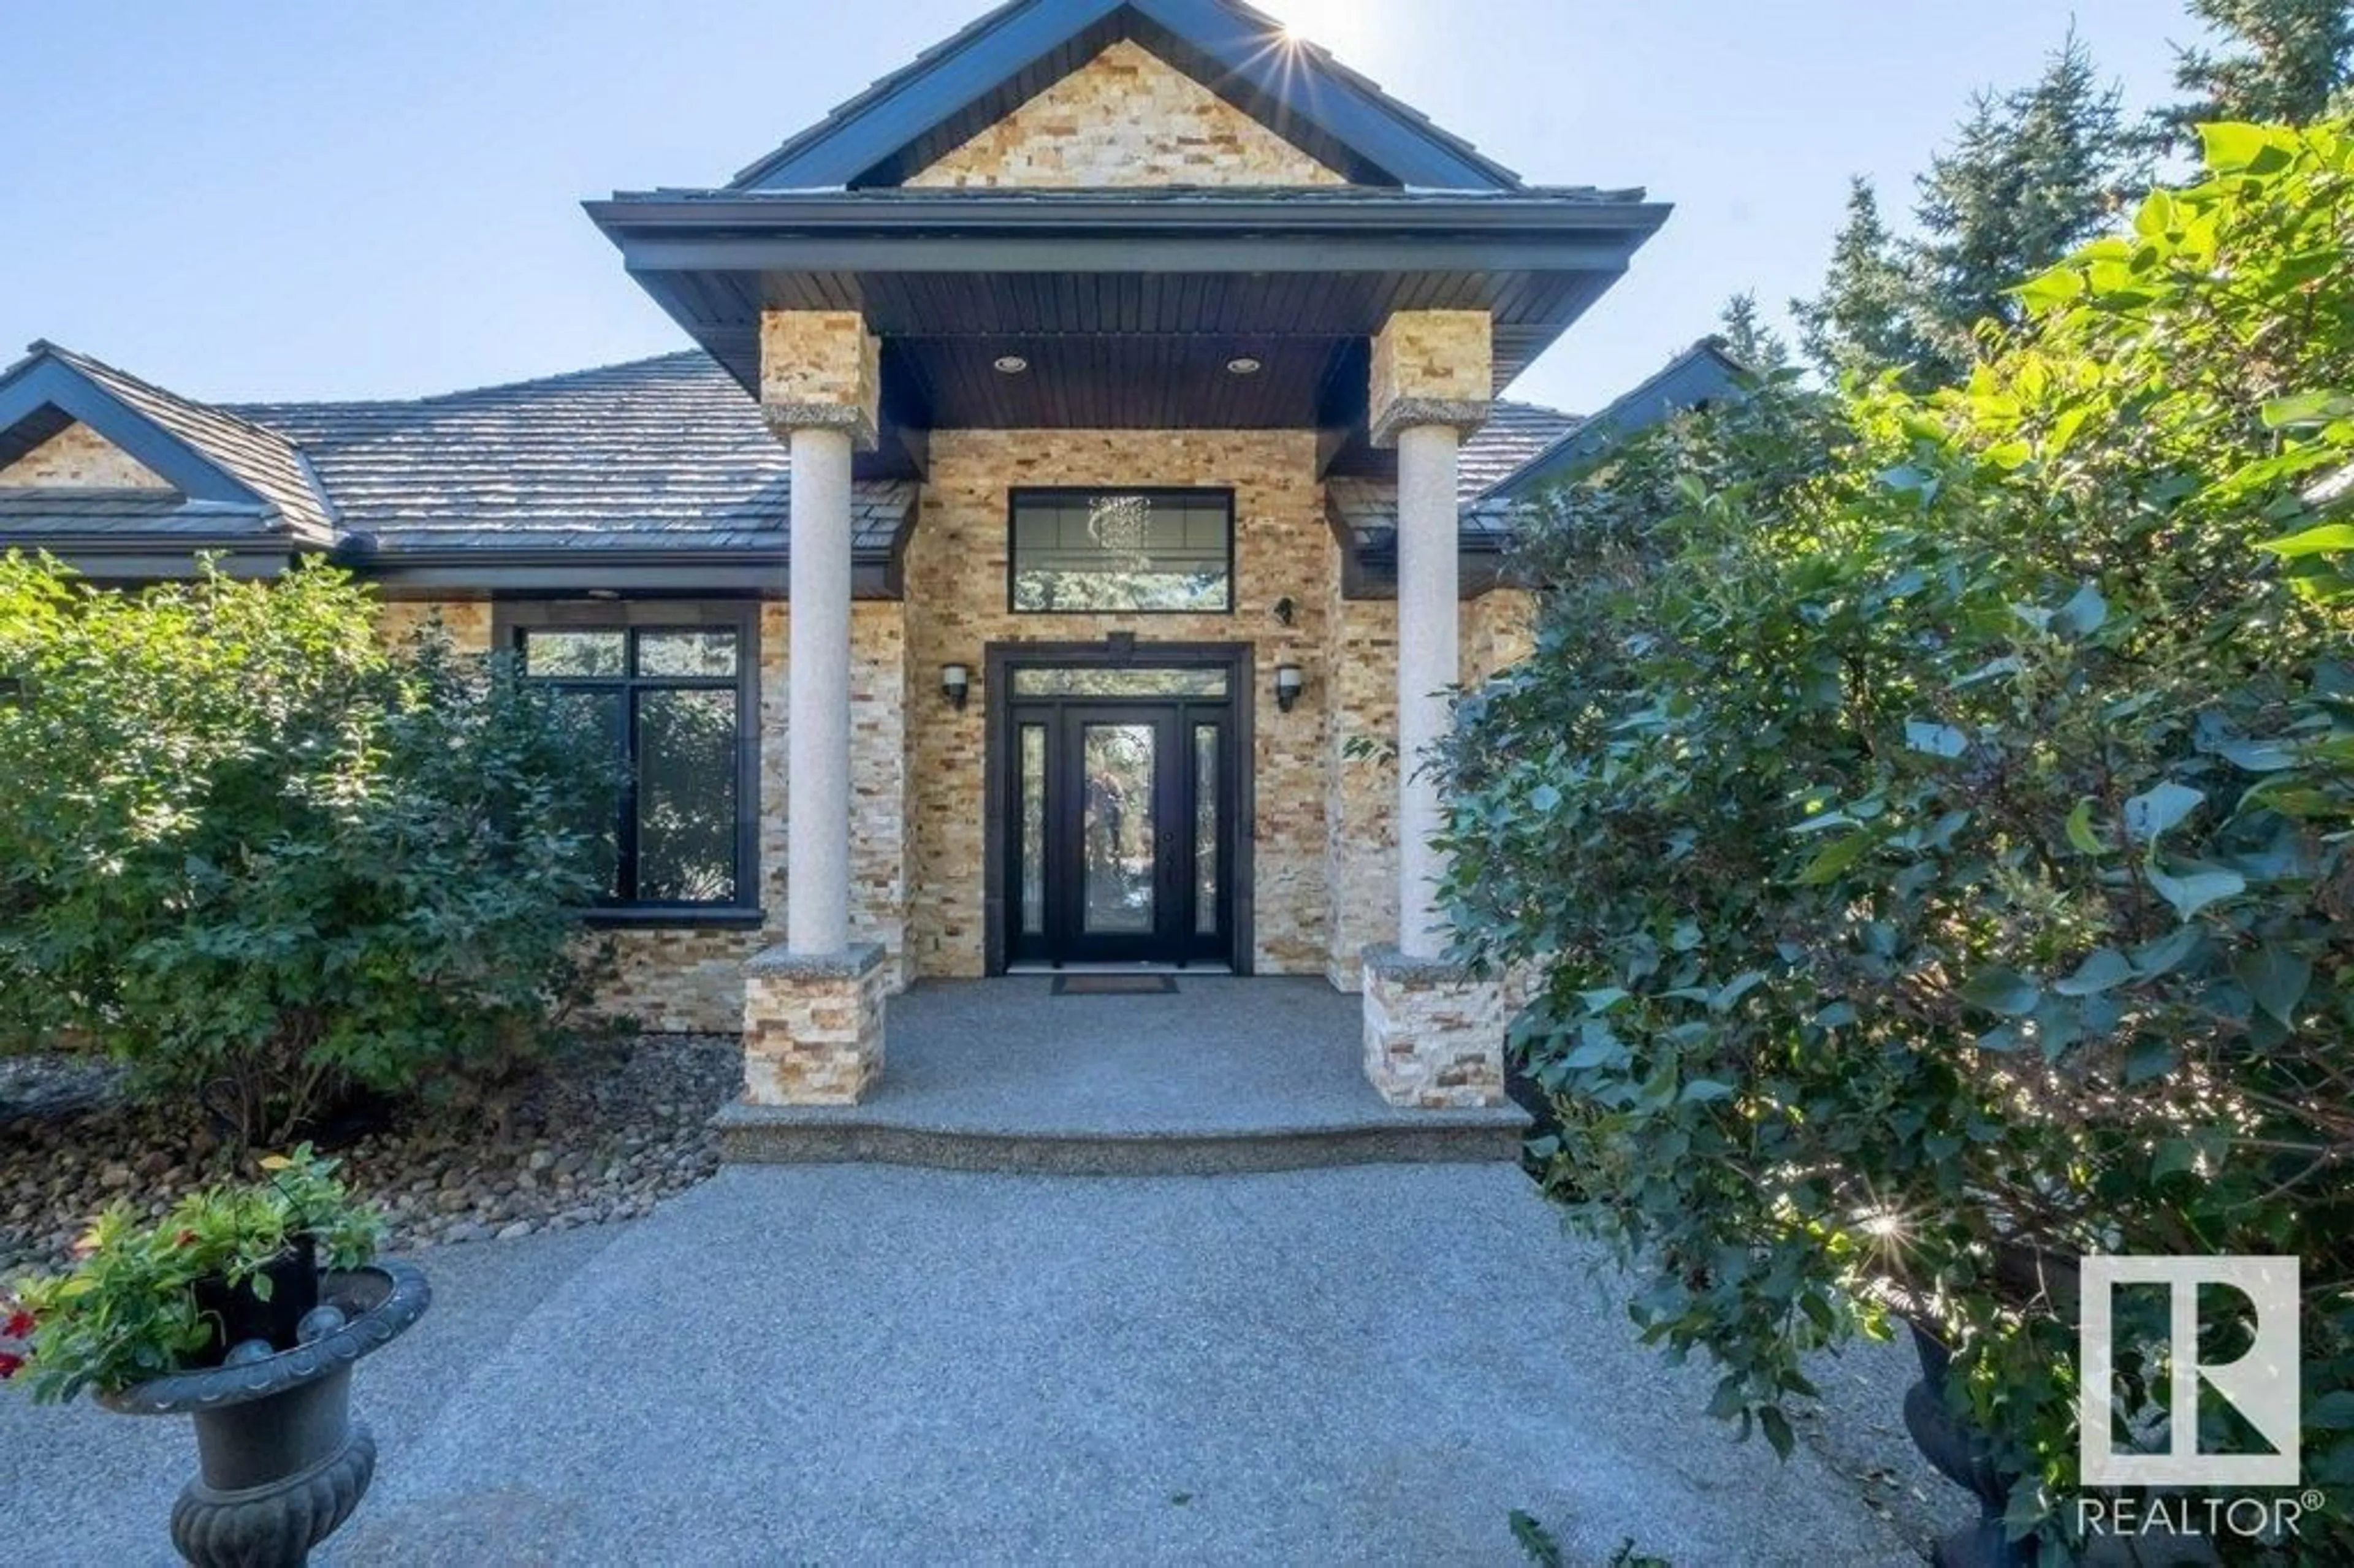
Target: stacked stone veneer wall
{"x":1433,"y":1037}
{"x":1360,"y":793}
{"x":813,"y":1027}
{"x":956,"y":584}
{"x":689,"y":979}
{"x":1127,"y":118}
{"x":78,"y":458}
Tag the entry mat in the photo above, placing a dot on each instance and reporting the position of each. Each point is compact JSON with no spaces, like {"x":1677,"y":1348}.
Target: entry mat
{"x":1115,"y":985}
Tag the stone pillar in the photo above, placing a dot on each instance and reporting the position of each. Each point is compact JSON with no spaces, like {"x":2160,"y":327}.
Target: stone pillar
{"x":1433,"y":378}
{"x":1433,"y":1036}
{"x":813,"y":1009}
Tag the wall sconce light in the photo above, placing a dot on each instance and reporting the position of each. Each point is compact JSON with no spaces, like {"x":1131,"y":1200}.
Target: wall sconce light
{"x":956,"y":685}
{"x":1290,"y":681}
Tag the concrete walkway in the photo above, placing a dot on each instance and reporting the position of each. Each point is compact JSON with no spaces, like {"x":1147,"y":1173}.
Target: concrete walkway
{"x":876,"y":1366}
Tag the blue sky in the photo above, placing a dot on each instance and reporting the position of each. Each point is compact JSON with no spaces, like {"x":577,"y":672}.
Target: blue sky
{"x":266,"y":199}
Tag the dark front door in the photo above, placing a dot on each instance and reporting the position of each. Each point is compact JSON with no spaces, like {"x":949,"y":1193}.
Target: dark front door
{"x":1121,"y":831}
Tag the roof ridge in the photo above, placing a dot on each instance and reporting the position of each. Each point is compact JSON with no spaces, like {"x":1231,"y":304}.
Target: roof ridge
{"x":528,"y":383}
{"x":90,"y":362}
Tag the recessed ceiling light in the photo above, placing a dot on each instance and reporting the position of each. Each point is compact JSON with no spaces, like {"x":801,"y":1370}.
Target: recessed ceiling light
{"x":1011,"y":365}
{"x":1244,"y":365}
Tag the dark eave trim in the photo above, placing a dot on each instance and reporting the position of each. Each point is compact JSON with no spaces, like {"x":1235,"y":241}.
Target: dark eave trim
{"x":875,"y":574}
{"x":1063,"y":213}
{"x":849,"y":233}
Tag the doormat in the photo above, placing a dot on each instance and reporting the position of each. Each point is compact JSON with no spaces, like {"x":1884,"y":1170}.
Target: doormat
{"x":1115,"y":985}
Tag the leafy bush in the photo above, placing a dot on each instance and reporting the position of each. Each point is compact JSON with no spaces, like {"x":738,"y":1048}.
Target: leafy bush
{"x":130,"y":1309}
{"x":265,"y":859}
{"x":1928,"y":818}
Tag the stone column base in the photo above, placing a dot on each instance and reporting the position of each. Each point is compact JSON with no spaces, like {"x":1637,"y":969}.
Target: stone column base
{"x":813,"y":1025}
{"x":1434,"y":1035}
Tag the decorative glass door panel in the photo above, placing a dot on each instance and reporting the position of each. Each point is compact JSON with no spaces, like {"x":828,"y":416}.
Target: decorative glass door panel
{"x":1119,"y":829}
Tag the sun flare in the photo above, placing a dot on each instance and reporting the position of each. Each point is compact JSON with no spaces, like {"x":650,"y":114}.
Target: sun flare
{"x":1340,"y":26}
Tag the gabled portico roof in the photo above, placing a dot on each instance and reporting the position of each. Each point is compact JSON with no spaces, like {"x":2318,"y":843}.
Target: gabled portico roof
{"x":999,"y":61}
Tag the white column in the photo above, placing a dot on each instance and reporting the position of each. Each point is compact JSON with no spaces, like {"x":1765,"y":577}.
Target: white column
{"x":1426,"y":668}
{"x":817,"y":784}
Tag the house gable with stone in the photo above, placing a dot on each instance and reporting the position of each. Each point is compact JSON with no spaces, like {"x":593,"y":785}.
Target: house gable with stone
{"x":1090,"y":433}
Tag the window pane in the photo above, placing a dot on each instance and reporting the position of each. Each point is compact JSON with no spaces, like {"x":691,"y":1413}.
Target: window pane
{"x":1206,"y":829}
{"x":1123,"y":552}
{"x":1100,"y":682}
{"x":573,"y":653}
{"x":1034,"y":829}
{"x":602,"y":711}
{"x":686,"y":797}
{"x":1119,"y":827}
{"x":699,"y":655}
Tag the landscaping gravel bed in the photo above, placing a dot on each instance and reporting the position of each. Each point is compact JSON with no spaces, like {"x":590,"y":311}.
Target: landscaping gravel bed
{"x":606,"y":1136}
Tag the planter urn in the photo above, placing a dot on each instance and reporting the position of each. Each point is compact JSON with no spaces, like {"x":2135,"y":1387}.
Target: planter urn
{"x":281,"y":1462}
{"x":1962,"y":1454}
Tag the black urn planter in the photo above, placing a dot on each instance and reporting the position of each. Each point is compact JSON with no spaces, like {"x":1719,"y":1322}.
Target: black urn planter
{"x":239,"y":1314}
{"x":281,"y":1462}
{"x":1962,"y":1456}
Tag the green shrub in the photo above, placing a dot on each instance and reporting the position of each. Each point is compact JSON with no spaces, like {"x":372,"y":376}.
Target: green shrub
{"x":1929,"y":821}
{"x":265,"y":859}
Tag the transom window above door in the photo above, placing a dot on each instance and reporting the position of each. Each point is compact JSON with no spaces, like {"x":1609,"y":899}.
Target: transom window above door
{"x":1165,"y":552}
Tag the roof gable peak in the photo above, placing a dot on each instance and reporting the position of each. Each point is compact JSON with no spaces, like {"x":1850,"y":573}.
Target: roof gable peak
{"x":955,"y":91}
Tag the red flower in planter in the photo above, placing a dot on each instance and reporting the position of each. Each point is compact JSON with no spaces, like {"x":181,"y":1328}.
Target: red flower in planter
{"x":19,"y":1326}
{"x":10,"y":1365}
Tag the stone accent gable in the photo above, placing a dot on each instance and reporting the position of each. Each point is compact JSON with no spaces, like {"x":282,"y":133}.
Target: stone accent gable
{"x":1127,"y":118}
{"x":78,"y":458}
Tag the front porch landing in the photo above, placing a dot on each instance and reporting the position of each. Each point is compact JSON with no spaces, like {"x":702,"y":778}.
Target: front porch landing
{"x":1225,"y":1075}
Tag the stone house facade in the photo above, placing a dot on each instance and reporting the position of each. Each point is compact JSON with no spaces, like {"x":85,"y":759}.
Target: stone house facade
{"x":1091,"y":433}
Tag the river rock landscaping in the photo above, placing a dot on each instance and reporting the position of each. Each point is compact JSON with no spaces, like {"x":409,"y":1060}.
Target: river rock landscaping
{"x":604,"y":1135}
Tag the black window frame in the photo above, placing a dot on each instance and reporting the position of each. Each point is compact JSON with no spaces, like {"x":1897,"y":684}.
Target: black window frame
{"x":513,"y":621}
{"x":1014,"y":498}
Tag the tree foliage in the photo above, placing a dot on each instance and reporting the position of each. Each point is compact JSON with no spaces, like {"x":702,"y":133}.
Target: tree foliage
{"x":265,"y":859}
{"x":1927,"y":819}
{"x":2031,"y":174}
{"x":1748,"y":336}
{"x":2281,"y":60}
{"x":1862,"y":321}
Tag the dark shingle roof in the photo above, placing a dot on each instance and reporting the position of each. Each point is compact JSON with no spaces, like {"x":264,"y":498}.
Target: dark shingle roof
{"x":666,"y":452}
{"x":263,"y":460}
{"x":1514,"y":434}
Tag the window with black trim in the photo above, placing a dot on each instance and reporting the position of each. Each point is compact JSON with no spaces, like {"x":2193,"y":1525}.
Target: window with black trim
{"x":1147,"y":552}
{"x":673,"y":688}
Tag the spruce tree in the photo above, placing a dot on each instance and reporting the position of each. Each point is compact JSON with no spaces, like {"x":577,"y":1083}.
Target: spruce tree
{"x":1861,"y":322}
{"x":2278,"y":60}
{"x":2032,"y":174}
{"x":1747,"y":337}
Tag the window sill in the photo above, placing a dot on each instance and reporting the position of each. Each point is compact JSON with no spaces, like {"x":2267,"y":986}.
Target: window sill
{"x":657,"y":918}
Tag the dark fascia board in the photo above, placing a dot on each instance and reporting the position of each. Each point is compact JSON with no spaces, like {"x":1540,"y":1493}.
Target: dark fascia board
{"x":659,"y":233}
{"x":156,"y":558}
{"x":1702,"y":374}
{"x":44,"y":382}
{"x":875,"y":574}
{"x":865,"y":134}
